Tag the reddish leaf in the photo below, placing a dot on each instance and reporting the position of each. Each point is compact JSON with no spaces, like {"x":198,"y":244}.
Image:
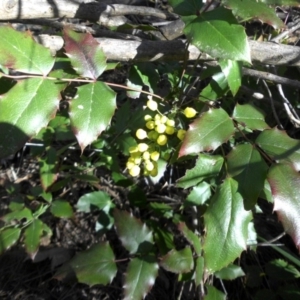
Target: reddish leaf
{"x":85,"y":54}
{"x":284,"y":182}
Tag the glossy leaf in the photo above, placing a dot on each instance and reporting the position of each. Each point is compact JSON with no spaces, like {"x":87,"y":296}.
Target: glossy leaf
{"x":134,"y":235}
{"x":218,"y":34}
{"x":24,"y":110}
{"x":198,"y":195}
{"x":250,"y":116}
{"x":248,"y":9}
{"x":199,"y":270}
{"x":18,"y":215}
{"x":191,"y":237}
{"x":207,"y":166}
{"x":284,"y":181}
{"x":233,"y":72}
{"x":226,"y":222}
{"x":186,"y":7}
{"x":85,"y":53}
{"x":280,"y":147}
{"x":178,"y":261}
{"x":93,"y":266}
{"x":20,"y":52}
{"x":91,"y":111}
{"x":249,"y":169}
{"x":33,"y":235}
{"x":61,"y":209}
{"x":99,"y":199}
{"x":140,"y":277}
{"x":214,"y":294}
{"x":8,"y":237}
{"x":48,"y":168}
{"x":207,"y":133}
{"x":281,"y":2}
{"x":230,"y":272}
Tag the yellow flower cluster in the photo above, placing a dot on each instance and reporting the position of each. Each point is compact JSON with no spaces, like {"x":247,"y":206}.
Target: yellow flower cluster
{"x":158,"y":128}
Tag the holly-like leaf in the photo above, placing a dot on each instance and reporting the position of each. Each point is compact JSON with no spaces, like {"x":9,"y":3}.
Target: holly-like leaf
{"x":233,"y":72}
{"x":280,"y":147}
{"x":178,"y":261}
{"x":226,"y":222}
{"x":207,"y":166}
{"x":33,"y":235}
{"x":20,"y":52}
{"x":24,"y":110}
{"x":140,"y":277}
{"x":248,"y":9}
{"x":18,"y":215}
{"x":91,"y":111}
{"x":250,"y":116}
{"x":248,"y":168}
{"x":230,"y":272}
{"x":284,"y":181}
{"x":134,"y":235}
{"x":218,"y":34}
{"x":93,"y":266}
{"x":61,"y":209}
{"x":192,"y":238}
{"x":198,"y":195}
{"x":207,"y":133}
{"x":8,"y":237}
{"x":48,"y":168}
{"x":85,"y":53}
{"x":99,"y":199}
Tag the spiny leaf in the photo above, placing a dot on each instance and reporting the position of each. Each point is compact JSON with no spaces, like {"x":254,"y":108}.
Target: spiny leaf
{"x":61,"y":209}
{"x":24,"y":110}
{"x":20,"y":52}
{"x":32,"y":235}
{"x":99,"y":199}
{"x":93,"y":266}
{"x":135,"y":235}
{"x":91,"y":111}
{"x":284,"y":180}
{"x":226,"y":222}
{"x":85,"y":53}
{"x":208,"y":132}
{"x":192,"y":238}
{"x":140,"y":277}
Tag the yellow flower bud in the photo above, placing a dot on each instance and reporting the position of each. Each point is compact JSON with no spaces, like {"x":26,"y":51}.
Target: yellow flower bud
{"x":170,"y":123}
{"x":143,"y":147}
{"x":146,"y":155}
{"x":154,"y":155}
{"x":141,"y":134}
{"x":130,"y":164}
{"x":189,"y":112}
{"x":161,"y":128}
{"x":135,"y":171}
{"x":163,"y":119}
{"x":154,"y":172}
{"x":162,"y":140}
{"x":152,"y":105}
{"x":149,"y":165}
{"x":170,"y":130}
{"x":181,"y":134}
{"x":147,"y":118}
{"x":153,"y":135}
{"x":150,"y":125}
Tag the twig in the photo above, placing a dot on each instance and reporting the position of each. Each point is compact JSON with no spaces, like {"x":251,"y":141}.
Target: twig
{"x":281,"y":36}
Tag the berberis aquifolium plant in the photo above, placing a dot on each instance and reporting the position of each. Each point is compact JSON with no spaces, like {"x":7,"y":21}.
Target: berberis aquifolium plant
{"x":207,"y":133}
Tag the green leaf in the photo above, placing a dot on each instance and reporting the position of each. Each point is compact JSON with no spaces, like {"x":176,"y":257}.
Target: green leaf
{"x":280,"y":147}
{"x":214,"y":294}
{"x":207,"y":166}
{"x":226,"y":222}
{"x":284,"y":180}
{"x":250,"y":116}
{"x":208,"y":132}
{"x":192,"y":238}
{"x":281,"y":2}
{"x":198,"y":195}
{"x":61,"y":209}
{"x":8,"y":237}
{"x":199,"y":270}
{"x":280,"y":269}
{"x":163,"y":238}
{"x":178,"y":261}
{"x":24,"y":110}
{"x":248,"y":168}
{"x":48,"y":168}
{"x":233,"y":72}
{"x":93,"y":266}
{"x":134,"y":235}
{"x":91,"y":111}
{"x":249,"y":9}
{"x":140,"y":277}
{"x":186,"y":7}
{"x":99,"y":199}
{"x":218,"y":34}
{"x":18,"y":215}
{"x":85,"y":53}
{"x":230,"y":272}
{"x":33,"y":235}
{"x":20,"y":52}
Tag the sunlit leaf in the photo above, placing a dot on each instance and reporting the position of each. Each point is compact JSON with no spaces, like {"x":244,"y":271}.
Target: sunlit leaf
{"x":218,"y":34}
{"x":192,"y":238}
{"x":230,"y":272}
{"x":214,"y":294}
{"x":93,"y":266}
{"x":98,"y":199}
{"x":284,"y":181}
{"x":17,"y":215}
{"x":85,"y":53}
{"x":199,"y":270}
{"x":91,"y":111}
{"x":208,"y":132}
{"x":178,"y":261}
{"x":20,"y":52}
{"x":8,"y":237}
{"x":61,"y":209}
{"x":48,"y":168}
{"x":134,"y":235}
{"x":198,"y":195}
{"x":140,"y":277}
{"x":226,"y":222}
{"x":280,"y":147}
{"x":33,"y":235}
